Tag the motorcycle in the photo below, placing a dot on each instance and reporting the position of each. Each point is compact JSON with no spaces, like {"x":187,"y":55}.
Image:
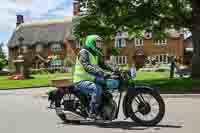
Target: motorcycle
{"x":142,"y":104}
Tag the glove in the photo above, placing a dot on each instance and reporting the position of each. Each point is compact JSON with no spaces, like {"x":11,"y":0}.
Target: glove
{"x":106,"y":75}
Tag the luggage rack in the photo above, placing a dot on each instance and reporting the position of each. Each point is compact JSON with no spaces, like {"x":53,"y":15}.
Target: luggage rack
{"x":61,"y":82}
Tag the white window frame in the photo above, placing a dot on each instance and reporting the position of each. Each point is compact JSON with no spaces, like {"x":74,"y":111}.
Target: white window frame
{"x":120,"y":36}
{"x":56,"y":47}
{"x":138,"y":42}
{"x":120,"y":60}
{"x":160,"y":42}
{"x":161,"y":58}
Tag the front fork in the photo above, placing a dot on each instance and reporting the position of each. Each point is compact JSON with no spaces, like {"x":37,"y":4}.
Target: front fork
{"x":120,"y":98}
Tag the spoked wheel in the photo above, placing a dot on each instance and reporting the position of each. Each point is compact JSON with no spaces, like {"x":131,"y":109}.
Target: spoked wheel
{"x":146,"y":107}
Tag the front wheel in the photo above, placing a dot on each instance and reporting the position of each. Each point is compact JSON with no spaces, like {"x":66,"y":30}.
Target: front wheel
{"x":145,"y":107}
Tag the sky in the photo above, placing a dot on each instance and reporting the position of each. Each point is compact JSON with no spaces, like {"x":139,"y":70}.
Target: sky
{"x":31,"y":10}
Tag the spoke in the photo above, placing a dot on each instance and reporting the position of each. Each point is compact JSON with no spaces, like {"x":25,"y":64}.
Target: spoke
{"x":149,"y":98}
{"x":135,"y":99}
{"x":154,"y":110}
{"x":154,"y":104}
{"x":134,"y":103}
{"x":152,"y":115}
{"x":136,"y":112}
{"x":142,"y":98}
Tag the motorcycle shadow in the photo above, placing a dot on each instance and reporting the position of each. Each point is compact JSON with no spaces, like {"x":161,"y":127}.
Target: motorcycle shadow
{"x":126,"y":125}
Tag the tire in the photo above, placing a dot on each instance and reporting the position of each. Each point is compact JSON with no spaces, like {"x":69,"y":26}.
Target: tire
{"x":129,"y":110}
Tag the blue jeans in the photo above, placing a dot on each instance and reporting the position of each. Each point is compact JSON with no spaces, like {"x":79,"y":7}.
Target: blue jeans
{"x":92,"y":89}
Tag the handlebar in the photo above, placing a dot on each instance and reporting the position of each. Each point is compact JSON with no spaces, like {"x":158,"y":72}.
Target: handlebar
{"x":123,"y":75}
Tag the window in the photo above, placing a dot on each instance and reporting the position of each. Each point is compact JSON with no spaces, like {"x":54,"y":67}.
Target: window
{"x":160,"y":42}
{"x":119,"y":59}
{"x":138,"y":42}
{"x":157,"y":59}
{"x":120,"y":41}
{"x":56,"y":47}
{"x":163,"y":58}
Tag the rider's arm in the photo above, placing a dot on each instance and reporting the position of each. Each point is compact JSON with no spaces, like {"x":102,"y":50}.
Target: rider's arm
{"x":107,"y":66}
{"x":85,"y":61}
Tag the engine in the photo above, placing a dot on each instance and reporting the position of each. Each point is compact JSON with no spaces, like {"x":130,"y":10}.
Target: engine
{"x":108,"y":106}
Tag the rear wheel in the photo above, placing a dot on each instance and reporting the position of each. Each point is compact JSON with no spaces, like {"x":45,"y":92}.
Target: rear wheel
{"x":145,"y":107}
{"x":73,"y":106}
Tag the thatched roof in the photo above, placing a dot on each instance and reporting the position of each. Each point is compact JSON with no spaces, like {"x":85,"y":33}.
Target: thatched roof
{"x":42,"y":32}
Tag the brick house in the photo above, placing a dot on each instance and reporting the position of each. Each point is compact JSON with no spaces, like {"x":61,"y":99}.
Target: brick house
{"x":145,"y":49}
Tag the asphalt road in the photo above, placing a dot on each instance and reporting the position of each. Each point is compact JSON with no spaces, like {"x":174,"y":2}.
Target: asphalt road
{"x":21,"y":112}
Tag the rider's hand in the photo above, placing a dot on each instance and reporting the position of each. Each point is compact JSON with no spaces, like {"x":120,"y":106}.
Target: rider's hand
{"x":106,"y":75}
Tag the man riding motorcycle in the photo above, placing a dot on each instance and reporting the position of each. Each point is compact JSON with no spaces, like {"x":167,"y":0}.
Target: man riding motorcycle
{"x":89,"y":71}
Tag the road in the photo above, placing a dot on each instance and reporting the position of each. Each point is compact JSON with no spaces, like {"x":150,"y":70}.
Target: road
{"x":21,"y":112}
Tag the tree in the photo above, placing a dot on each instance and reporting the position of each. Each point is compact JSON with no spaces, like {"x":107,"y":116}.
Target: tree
{"x":155,"y":16}
{"x":3,"y":60}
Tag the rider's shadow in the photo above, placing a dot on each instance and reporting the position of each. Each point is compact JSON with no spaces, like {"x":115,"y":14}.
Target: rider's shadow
{"x":126,"y":125}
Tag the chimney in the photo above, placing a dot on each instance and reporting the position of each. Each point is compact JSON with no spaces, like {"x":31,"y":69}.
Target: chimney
{"x":20,"y":20}
{"x":76,"y":8}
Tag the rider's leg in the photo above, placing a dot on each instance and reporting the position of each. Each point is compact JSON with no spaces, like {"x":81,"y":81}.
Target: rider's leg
{"x":96,"y":91}
{"x":92,"y":89}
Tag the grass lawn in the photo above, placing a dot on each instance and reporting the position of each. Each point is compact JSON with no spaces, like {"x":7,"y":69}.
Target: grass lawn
{"x":38,"y":80}
{"x":155,"y":79}
{"x":161,"y":81}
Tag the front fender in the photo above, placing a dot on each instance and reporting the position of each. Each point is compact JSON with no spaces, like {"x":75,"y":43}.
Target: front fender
{"x":135,"y":89}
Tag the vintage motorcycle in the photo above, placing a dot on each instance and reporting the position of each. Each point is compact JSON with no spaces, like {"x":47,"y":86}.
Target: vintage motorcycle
{"x":142,"y":104}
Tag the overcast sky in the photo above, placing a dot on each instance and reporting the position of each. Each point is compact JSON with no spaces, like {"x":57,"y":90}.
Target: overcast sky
{"x":31,"y":10}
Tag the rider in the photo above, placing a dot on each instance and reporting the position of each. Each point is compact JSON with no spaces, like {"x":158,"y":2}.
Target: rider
{"x":89,"y":69}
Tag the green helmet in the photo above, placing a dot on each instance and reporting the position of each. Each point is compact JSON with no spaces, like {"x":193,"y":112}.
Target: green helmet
{"x":90,"y":42}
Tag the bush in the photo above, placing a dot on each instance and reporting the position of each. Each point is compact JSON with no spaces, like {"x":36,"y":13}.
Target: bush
{"x":3,"y":63}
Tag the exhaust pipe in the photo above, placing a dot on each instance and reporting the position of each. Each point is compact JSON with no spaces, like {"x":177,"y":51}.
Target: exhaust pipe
{"x":73,"y":116}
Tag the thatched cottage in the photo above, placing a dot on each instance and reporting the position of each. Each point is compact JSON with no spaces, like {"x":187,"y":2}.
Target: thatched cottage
{"x":43,"y":40}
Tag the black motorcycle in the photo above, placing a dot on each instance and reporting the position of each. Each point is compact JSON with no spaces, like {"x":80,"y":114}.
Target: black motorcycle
{"x":142,"y":104}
